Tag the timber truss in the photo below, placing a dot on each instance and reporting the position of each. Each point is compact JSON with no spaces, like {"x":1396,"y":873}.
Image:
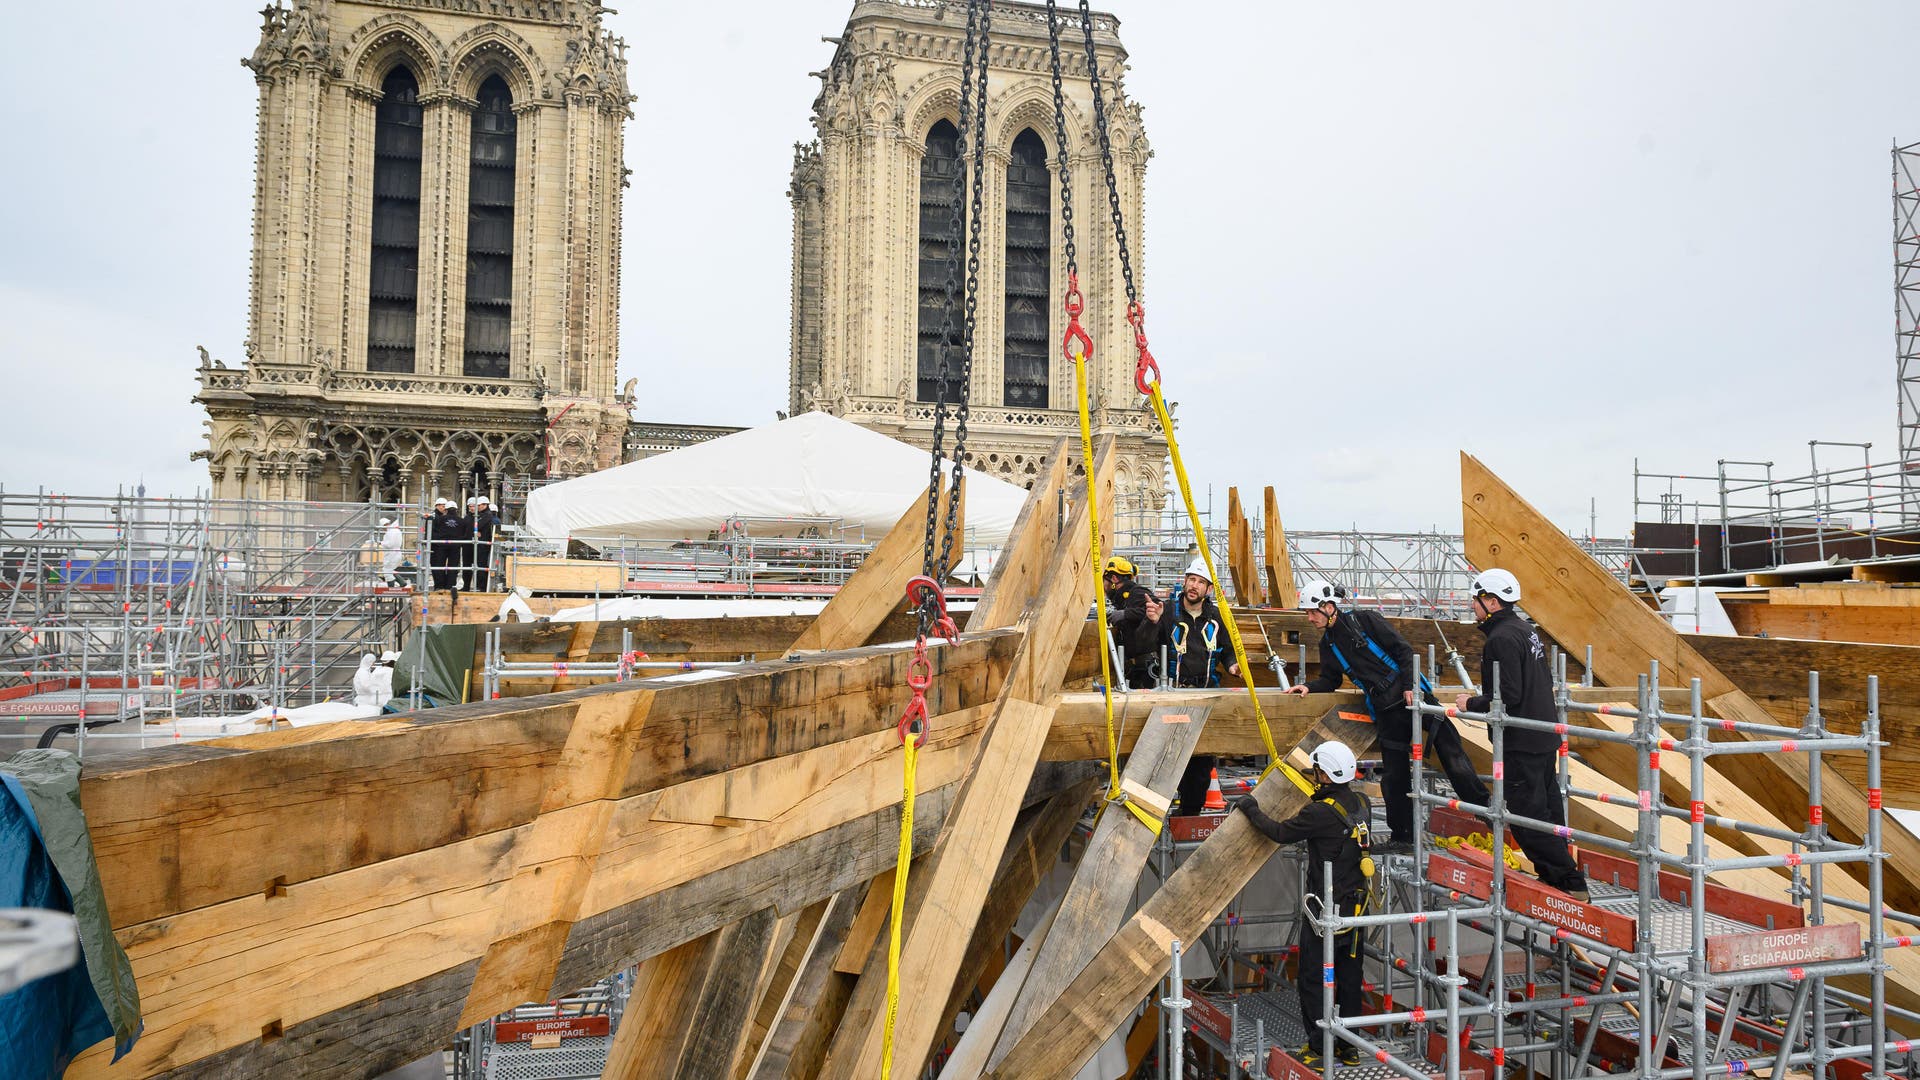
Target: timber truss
{"x":340,"y":899}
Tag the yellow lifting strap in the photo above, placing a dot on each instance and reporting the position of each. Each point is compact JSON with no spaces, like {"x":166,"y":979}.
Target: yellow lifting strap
{"x":910,"y":763}
{"x":1099,"y":588}
{"x":1220,"y":594}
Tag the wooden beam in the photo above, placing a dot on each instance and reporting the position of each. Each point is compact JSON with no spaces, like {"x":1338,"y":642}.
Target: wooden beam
{"x":969,"y":1057}
{"x":777,"y":990}
{"x":944,"y":900}
{"x":1106,"y":992}
{"x":658,"y":1021}
{"x":1575,"y":599}
{"x":180,"y":828}
{"x":878,"y":588}
{"x":1032,"y":853}
{"x":788,"y":1050}
{"x":1079,"y":731}
{"x":1028,"y":552}
{"x":1279,"y":563}
{"x":1105,"y":881}
{"x":1240,"y":561}
{"x":495,"y":830}
{"x":743,"y":963}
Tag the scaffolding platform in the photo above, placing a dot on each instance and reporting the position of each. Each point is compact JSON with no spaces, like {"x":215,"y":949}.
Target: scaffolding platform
{"x":1262,"y":1032}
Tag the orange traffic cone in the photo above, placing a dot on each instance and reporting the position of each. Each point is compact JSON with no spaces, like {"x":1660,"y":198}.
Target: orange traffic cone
{"x":1215,"y":800}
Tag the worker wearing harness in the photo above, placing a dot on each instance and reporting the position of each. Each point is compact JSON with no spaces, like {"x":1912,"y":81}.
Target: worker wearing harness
{"x":1364,"y":647}
{"x":1199,"y":652}
{"x":1334,"y":825}
{"x":1132,"y":621}
{"x":1531,"y":757}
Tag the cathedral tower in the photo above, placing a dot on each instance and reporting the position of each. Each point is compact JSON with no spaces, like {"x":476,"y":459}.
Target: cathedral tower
{"x":872,"y":199}
{"x":436,"y":252}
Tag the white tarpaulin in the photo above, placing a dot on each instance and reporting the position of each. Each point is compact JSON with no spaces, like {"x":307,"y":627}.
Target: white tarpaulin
{"x":811,"y":466}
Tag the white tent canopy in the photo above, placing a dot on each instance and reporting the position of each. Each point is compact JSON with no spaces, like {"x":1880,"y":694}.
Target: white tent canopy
{"x":811,"y":466}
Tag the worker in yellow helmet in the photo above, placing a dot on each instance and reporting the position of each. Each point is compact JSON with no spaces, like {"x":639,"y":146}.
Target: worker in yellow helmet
{"x":1133,"y":621}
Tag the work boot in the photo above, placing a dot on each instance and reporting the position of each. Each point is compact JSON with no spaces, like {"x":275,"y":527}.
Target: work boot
{"x":1581,"y":895}
{"x":1309,"y":1055}
{"x":1348,"y":1054}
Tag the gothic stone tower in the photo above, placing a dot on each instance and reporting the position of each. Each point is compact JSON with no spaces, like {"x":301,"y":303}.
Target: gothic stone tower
{"x":872,"y":200}
{"x":436,"y":252}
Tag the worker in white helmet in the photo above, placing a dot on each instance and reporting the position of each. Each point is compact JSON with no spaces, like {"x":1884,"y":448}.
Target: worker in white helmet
{"x":1334,"y":826}
{"x":1360,"y":645}
{"x":1531,"y":757}
{"x":1199,"y":652}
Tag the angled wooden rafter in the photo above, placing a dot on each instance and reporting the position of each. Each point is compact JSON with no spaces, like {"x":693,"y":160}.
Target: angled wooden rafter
{"x":944,"y":899}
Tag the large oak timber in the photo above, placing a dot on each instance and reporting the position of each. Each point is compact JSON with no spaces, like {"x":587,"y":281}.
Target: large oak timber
{"x":813,"y":970}
{"x":1032,"y":852}
{"x":944,"y":899}
{"x":1029,"y":551}
{"x":1279,"y":564}
{"x":777,"y":990}
{"x":1105,"y":881}
{"x":1574,"y":598}
{"x":1108,"y":989}
{"x":666,"y":995}
{"x":704,"y":985}
{"x":1240,"y":563}
{"x":1771,"y":670}
{"x":878,"y":588}
{"x":249,"y":867}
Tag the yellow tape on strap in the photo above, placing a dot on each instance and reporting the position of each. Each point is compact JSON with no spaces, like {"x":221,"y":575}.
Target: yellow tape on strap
{"x":1220,"y":594}
{"x":1099,"y":587}
{"x":909,"y":767}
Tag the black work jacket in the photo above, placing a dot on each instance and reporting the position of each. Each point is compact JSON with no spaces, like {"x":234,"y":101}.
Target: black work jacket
{"x":1385,"y":675}
{"x":485,"y":524}
{"x":1197,"y":665}
{"x":444,"y":527}
{"x":1526,"y":684}
{"x":1128,"y":623}
{"x":1329,"y":839}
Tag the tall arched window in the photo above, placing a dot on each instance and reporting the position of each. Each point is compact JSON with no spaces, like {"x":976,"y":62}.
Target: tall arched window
{"x":490,"y":233}
{"x":938,"y":243}
{"x":1029,"y":276}
{"x":394,"y":280}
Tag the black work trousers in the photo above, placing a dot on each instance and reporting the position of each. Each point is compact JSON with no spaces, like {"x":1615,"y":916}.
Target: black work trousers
{"x":1311,"y":978}
{"x":482,"y":566}
{"x":1533,"y":790}
{"x":1444,"y":749}
{"x":445,"y":561}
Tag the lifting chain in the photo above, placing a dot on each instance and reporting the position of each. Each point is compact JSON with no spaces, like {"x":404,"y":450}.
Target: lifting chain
{"x":967,"y":201}
{"x":1146,"y":376}
{"x":924,"y":592}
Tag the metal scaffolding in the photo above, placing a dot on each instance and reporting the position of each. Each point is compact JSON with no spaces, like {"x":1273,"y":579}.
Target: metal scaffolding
{"x":137,"y":609}
{"x":1479,"y":969}
{"x":1906,"y":314}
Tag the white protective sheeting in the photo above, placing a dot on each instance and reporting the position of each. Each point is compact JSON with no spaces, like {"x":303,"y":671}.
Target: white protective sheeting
{"x":811,"y":466}
{"x":1696,"y":611}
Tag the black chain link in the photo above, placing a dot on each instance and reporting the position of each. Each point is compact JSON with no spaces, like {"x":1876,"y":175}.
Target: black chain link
{"x":966,"y":216}
{"x":1106,"y":154}
{"x":1060,"y":141}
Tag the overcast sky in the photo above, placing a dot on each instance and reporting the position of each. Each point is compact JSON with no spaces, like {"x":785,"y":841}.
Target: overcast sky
{"x":1559,"y":236}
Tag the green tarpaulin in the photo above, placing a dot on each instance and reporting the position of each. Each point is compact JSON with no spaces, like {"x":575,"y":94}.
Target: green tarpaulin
{"x":443,"y":657}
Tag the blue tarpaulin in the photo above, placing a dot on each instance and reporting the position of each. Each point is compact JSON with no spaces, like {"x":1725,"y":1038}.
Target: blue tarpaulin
{"x":44,"y":846}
